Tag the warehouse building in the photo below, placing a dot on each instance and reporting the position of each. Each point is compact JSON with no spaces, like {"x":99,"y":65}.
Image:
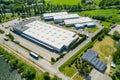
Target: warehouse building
{"x":89,"y":25}
{"x":71,"y":22}
{"x":83,"y":25}
{"x":79,"y":26}
{"x":61,"y":18}
{"x":49,"y":16}
{"x":49,"y":36}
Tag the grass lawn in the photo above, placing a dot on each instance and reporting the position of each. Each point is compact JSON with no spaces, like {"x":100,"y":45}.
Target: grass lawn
{"x":67,"y":2}
{"x":92,"y":30}
{"x":69,"y":71}
{"x":77,"y":77}
{"x":107,"y":12}
{"x":105,"y":48}
{"x":113,"y":13}
{"x":38,"y":74}
{"x":106,"y":24}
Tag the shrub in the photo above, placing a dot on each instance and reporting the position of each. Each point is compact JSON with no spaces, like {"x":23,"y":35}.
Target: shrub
{"x":52,"y":59}
{"x":78,"y":42}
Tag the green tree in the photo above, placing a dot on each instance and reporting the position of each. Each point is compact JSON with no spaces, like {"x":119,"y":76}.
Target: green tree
{"x":116,"y":35}
{"x":116,"y":57}
{"x":29,"y":74}
{"x":118,"y":71}
{"x":45,"y":76}
{"x":117,"y":44}
{"x":55,"y":78}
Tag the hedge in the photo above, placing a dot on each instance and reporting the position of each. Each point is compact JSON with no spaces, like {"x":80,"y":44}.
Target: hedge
{"x":78,"y":42}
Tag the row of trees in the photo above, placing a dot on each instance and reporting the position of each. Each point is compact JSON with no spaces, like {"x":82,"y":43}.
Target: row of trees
{"x":26,"y":71}
{"x":99,"y":36}
{"x":116,"y":56}
{"x":116,"y":59}
{"x":24,"y":8}
{"x":105,"y":3}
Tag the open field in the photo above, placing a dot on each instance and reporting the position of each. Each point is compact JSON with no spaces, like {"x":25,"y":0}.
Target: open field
{"x":112,"y":14}
{"x":105,"y":48}
{"x":107,"y":12}
{"x":67,"y":2}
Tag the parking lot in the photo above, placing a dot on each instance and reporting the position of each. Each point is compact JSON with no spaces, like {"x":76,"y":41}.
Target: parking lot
{"x":96,"y":75}
{"x":114,"y":28}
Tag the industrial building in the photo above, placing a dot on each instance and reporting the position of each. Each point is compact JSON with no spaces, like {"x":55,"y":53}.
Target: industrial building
{"x":49,"y":36}
{"x":71,"y":22}
{"x":92,"y":57}
{"x":83,"y":25}
{"x":89,"y":25}
{"x":61,"y":18}
{"x":79,"y":26}
{"x":49,"y":16}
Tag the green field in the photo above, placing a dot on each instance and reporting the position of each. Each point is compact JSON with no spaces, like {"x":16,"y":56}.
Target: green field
{"x":105,"y":48}
{"x":67,"y":2}
{"x":114,"y":14}
{"x":107,"y":12}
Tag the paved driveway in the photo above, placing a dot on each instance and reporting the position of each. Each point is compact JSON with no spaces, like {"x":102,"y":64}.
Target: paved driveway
{"x":96,"y":75}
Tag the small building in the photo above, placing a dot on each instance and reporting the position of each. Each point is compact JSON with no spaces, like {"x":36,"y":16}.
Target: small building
{"x":71,"y":22}
{"x":89,"y":25}
{"x":83,"y":25}
{"x":61,"y":18}
{"x":92,"y":57}
{"x":49,"y":16}
{"x":79,"y":26}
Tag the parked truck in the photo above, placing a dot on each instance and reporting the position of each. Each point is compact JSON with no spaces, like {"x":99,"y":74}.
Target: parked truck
{"x":34,"y":55}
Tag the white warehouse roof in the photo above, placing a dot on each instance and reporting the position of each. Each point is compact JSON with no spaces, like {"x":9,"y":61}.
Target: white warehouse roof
{"x":79,"y":25}
{"x":78,"y":20}
{"x":82,"y":25}
{"x":54,"y":14}
{"x":90,"y":23}
{"x":66,"y":16}
{"x":49,"y":34}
